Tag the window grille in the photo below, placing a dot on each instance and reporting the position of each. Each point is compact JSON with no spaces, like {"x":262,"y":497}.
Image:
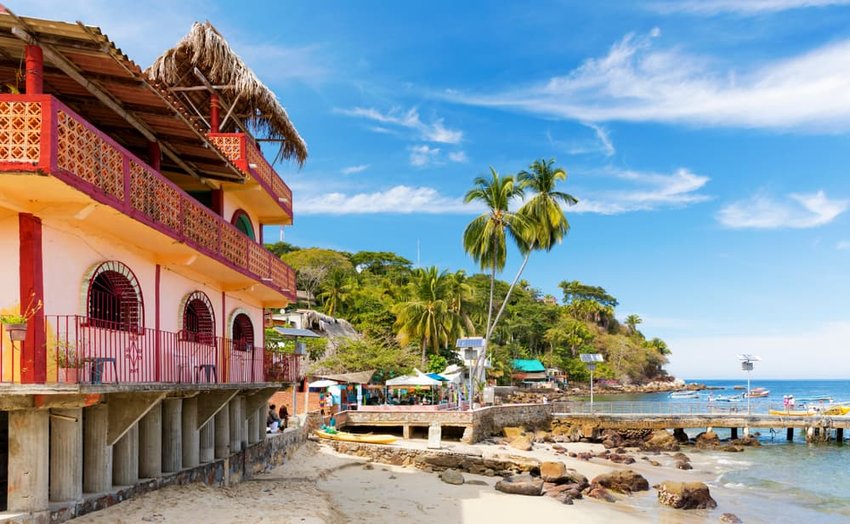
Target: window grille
{"x":115,"y":298}
{"x":243,"y":332}
{"x":198,"y":319}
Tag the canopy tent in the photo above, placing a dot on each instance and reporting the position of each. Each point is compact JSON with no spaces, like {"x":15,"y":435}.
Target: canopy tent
{"x":437,"y":376}
{"x":295,"y":332}
{"x":416,"y":379}
{"x":528,"y":366}
{"x":322,"y":383}
{"x":359,"y":377}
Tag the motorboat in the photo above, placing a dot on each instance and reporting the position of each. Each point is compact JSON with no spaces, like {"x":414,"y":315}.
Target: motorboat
{"x":759,"y":392}
{"x":726,"y":398}
{"x":684,"y":394}
{"x":329,"y":434}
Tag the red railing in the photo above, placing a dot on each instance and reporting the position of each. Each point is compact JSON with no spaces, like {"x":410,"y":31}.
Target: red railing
{"x":244,"y":153}
{"x":39,"y":133}
{"x":82,"y":351}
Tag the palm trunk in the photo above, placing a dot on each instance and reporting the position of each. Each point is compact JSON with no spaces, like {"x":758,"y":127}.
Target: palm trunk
{"x":423,"y":352}
{"x":510,"y":290}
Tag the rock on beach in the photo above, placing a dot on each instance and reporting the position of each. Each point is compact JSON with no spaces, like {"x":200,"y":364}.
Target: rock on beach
{"x":685,"y":495}
{"x":521,"y":485}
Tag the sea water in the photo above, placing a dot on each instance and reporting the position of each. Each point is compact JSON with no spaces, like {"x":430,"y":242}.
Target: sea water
{"x":780,"y":481}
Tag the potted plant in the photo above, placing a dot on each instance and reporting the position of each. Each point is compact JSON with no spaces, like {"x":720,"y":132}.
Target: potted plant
{"x":69,"y":363}
{"x":16,"y":323}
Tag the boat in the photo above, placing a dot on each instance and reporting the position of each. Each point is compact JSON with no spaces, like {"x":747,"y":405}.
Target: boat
{"x":726,"y":398}
{"x":759,"y":392}
{"x":684,"y":394}
{"x":355,"y":437}
{"x":832,"y":411}
{"x":813,"y":400}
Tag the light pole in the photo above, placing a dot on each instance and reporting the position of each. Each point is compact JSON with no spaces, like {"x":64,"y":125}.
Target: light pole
{"x":590,"y":360}
{"x":474,"y":350}
{"x":747,"y":365}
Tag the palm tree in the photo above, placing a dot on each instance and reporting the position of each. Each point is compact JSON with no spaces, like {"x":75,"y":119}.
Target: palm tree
{"x":426,"y":316}
{"x":485,"y":237}
{"x":632,"y":322}
{"x":337,"y":288}
{"x":542,"y":213}
{"x":460,"y":303}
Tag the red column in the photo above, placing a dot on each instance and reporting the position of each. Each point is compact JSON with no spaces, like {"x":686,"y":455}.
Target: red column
{"x":35,"y":70}
{"x":215,"y":119}
{"x":155,"y":155}
{"x":34,"y":348}
{"x":158,"y":341}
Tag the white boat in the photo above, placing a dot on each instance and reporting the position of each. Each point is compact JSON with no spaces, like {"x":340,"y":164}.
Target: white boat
{"x":684,"y":394}
{"x":727,"y":398}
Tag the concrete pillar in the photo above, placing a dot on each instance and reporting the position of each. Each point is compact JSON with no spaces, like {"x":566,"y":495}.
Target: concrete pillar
{"x":789,"y":434}
{"x":150,"y":444}
{"x":172,"y":435}
{"x":28,"y":469}
{"x":253,"y":430}
{"x":191,"y":436}
{"x":125,"y":458}
{"x":262,"y":414}
{"x":207,"y":439}
{"x":243,"y":421}
{"x":97,"y":466}
{"x":235,"y":408}
{"x":66,"y":454}
{"x":405,"y":431}
{"x":746,"y":431}
{"x":839,"y":435}
{"x":734,"y":433}
{"x":222,"y":433}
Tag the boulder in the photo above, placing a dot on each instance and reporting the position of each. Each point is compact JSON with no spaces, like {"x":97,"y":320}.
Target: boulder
{"x":730,"y":518}
{"x":542,"y":436}
{"x":683,"y":464}
{"x":452,"y":476}
{"x":681,"y":456}
{"x":513,"y":432}
{"x":521,"y":485}
{"x":680,"y":435}
{"x":598,"y":492}
{"x":625,"y":481}
{"x":685,"y":495}
{"x":553,"y":472}
{"x":660,"y":440}
{"x":732,"y":448}
{"x":521,"y":443}
{"x":707,"y":439}
{"x":747,"y":440}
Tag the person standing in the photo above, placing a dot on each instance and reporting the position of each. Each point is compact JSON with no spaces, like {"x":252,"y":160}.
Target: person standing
{"x":284,"y":417}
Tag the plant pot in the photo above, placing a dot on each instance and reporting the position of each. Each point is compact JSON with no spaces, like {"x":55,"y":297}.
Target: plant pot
{"x":17,"y":332}
{"x":69,"y":375}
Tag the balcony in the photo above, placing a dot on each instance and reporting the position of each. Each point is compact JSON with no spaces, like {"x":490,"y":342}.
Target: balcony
{"x":243,"y":152}
{"x":81,"y":351}
{"x":39,"y":134}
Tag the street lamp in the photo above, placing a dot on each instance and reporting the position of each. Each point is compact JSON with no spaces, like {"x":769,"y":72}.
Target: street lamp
{"x":473,"y":349}
{"x":747,"y":365}
{"x":590,"y":360}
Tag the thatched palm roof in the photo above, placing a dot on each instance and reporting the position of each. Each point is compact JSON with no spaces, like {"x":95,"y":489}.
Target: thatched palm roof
{"x":204,"y":48}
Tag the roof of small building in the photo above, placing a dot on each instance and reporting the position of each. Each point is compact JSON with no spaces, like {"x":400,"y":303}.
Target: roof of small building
{"x":528,"y":365}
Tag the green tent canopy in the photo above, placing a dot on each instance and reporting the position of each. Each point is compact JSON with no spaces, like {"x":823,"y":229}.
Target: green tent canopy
{"x":528,"y":366}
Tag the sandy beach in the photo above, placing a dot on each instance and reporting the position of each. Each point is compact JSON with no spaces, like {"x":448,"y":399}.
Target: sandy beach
{"x":321,"y":486}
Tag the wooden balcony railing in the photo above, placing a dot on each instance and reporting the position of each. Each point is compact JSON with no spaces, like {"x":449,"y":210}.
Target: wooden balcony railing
{"x":243,"y":152}
{"x":39,"y":133}
{"x":81,"y":351}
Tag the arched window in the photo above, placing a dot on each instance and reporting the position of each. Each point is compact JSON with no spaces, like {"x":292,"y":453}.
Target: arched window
{"x":243,"y":223}
{"x":243,"y":332}
{"x":198,"y":319}
{"x":114,"y":298}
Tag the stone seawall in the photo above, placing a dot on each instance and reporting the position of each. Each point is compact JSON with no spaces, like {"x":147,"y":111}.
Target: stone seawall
{"x":273,"y":451}
{"x":491,"y":420}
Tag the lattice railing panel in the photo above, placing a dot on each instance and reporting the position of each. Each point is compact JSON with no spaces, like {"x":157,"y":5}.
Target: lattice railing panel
{"x":258,"y":259}
{"x":258,"y":163}
{"x":233,"y":244}
{"x":153,"y":196}
{"x":282,"y":276}
{"x":200,"y":225}
{"x":231,"y":146}
{"x":20,"y":131}
{"x":83,"y":152}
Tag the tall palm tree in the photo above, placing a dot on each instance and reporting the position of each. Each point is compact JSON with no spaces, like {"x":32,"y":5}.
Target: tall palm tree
{"x":460,"y":303}
{"x":426,"y":316}
{"x":485,"y":237}
{"x":632,"y":322}
{"x":336,"y":291}
{"x":547,"y":224}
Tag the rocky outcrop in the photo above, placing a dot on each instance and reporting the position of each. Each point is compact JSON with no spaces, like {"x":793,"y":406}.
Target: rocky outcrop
{"x":730,"y":518}
{"x":685,"y":495}
{"x":660,"y":440}
{"x":707,"y":440}
{"x":625,"y":481}
{"x":747,"y":440}
{"x":624,"y":438}
{"x":521,"y":485}
{"x":522,"y":443}
{"x":558,"y":473}
{"x":598,"y":492}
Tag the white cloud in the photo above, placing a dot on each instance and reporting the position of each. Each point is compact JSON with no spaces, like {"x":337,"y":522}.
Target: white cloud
{"x":423,"y":155}
{"x":797,"y":211}
{"x":636,"y":81}
{"x":397,"y":199}
{"x":435,"y":131}
{"x":458,"y":156}
{"x":743,"y":7}
{"x":652,"y":191}
{"x":604,"y":138}
{"x":350,"y":170}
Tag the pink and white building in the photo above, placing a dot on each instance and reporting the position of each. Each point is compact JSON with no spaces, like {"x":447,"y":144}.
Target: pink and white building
{"x":132,"y":206}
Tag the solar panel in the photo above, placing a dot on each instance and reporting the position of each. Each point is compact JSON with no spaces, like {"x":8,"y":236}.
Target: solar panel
{"x":472,"y":342}
{"x":591,"y":357}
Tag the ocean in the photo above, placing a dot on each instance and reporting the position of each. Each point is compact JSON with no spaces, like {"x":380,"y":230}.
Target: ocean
{"x":781,"y":481}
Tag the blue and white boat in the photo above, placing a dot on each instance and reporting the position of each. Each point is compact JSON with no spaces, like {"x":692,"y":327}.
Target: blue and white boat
{"x":684,"y":394}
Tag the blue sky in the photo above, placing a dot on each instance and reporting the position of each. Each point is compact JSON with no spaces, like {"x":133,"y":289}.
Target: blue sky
{"x":707,"y":143}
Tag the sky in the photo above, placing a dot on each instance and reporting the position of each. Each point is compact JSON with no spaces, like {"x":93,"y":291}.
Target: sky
{"x":708,"y":144}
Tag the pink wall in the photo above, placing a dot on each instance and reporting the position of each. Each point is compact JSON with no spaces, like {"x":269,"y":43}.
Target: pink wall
{"x":9,"y":264}
{"x":232,"y":202}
